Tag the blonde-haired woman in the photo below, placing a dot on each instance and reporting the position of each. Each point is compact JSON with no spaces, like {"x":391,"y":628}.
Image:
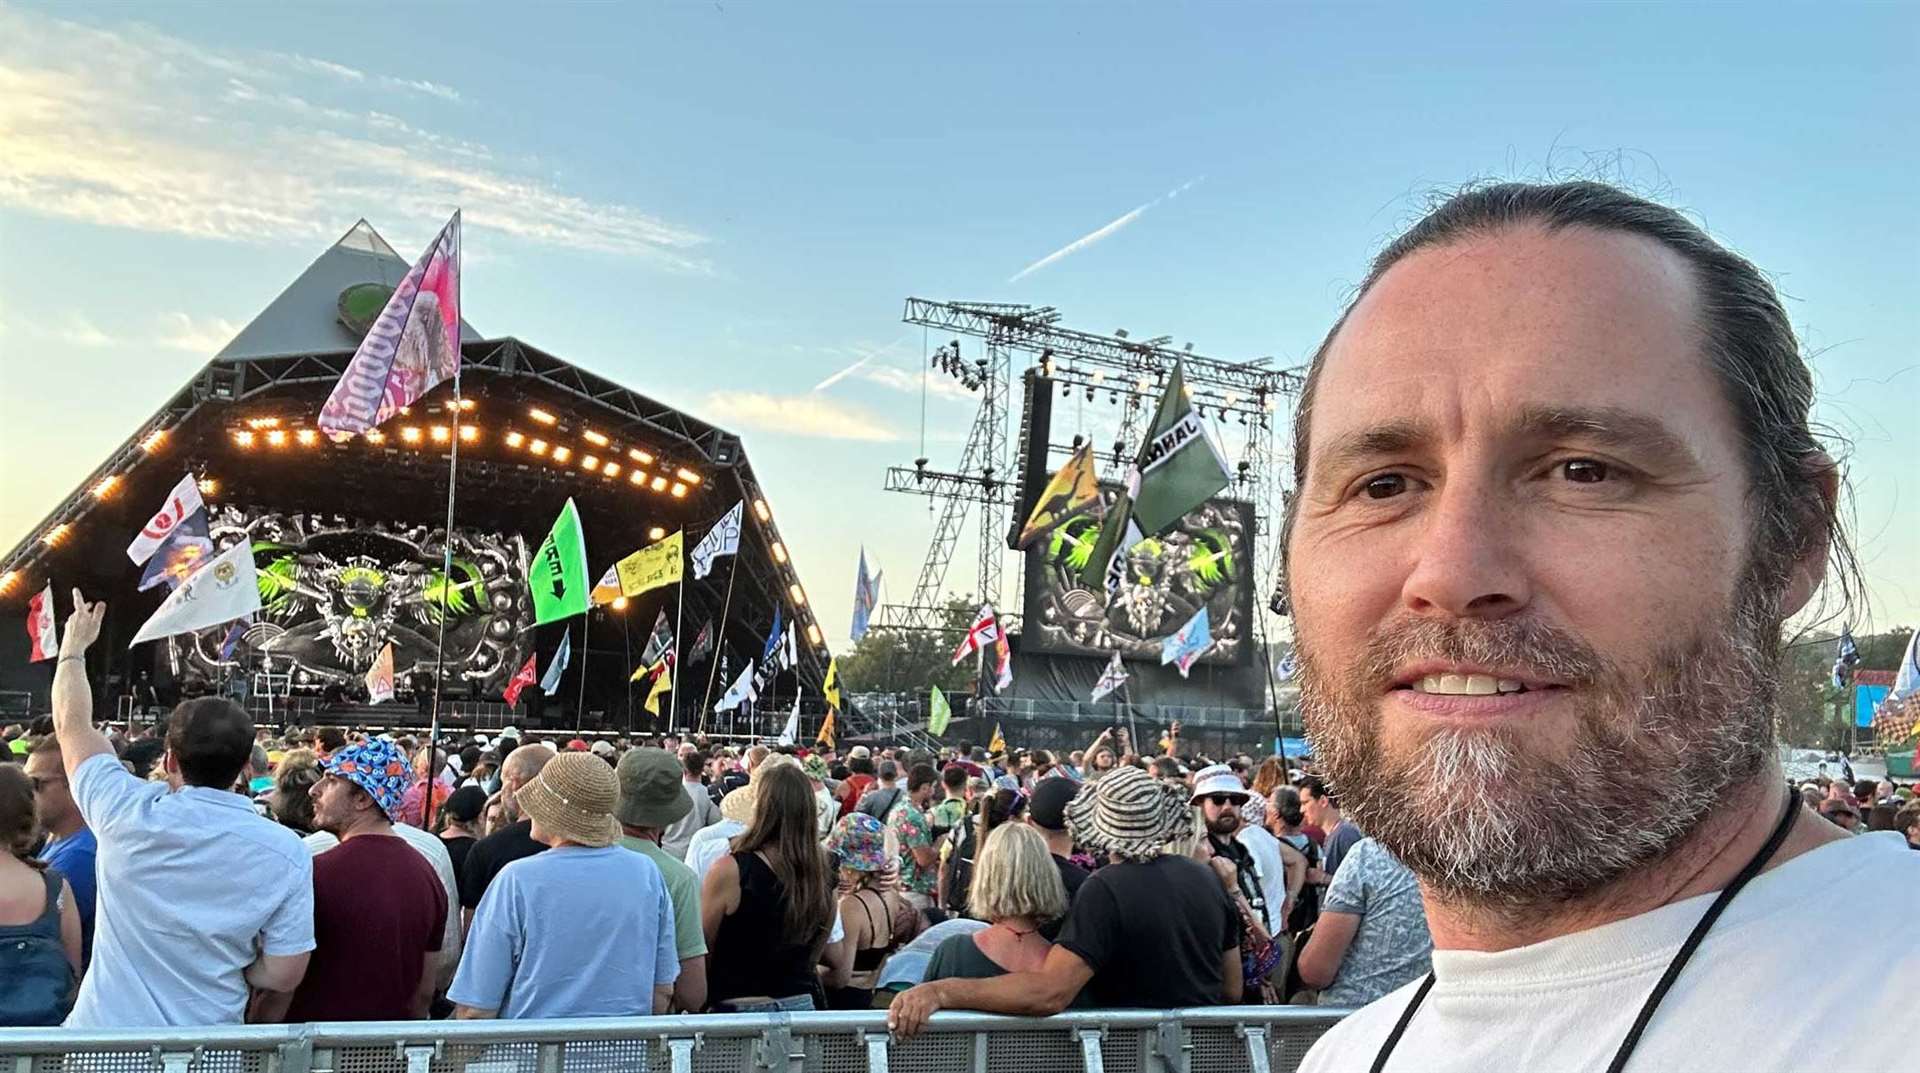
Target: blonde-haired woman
{"x":1016,"y":889}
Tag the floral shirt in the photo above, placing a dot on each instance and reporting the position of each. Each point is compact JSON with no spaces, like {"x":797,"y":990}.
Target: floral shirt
{"x":414,"y":806}
{"x":909,"y":827}
{"x":947,"y":814}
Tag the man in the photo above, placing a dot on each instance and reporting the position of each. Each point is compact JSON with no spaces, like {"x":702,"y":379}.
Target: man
{"x":879,"y":802}
{"x":860,"y":763}
{"x":1249,"y":867}
{"x":1557,"y":492}
{"x":70,"y":846}
{"x":951,"y":811}
{"x":1047,"y":814}
{"x":1842,"y":813}
{"x":704,"y":811}
{"x":654,"y":798}
{"x":1907,"y":822}
{"x":907,"y":825}
{"x":585,"y":929}
{"x":510,"y":843}
{"x":1322,"y":808}
{"x":1152,"y":929}
{"x":1371,"y":935}
{"x":174,"y":943}
{"x":379,"y":910}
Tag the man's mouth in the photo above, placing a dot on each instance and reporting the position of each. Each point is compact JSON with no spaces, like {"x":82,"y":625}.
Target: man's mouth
{"x":1467,"y":685}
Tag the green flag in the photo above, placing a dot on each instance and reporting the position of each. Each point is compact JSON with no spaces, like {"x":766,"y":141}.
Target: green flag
{"x":1178,"y":469}
{"x":558,"y":579}
{"x":939,"y":714}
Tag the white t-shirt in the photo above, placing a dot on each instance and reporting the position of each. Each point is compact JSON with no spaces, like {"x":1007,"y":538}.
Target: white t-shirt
{"x":1752,"y":998}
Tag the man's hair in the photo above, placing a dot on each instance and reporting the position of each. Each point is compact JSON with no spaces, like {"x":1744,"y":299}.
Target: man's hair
{"x":693,"y":760}
{"x":889,"y":771}
{"x":1748,"y":342}
{"x":1165,"y":767}
{"x":954,"y":778}
{"x":43,"y":746}
{"x":919,"y":776}
{"x":1316,"y":786}
{"x":293,"y":805}
{"x":211,"y":739}
{"x":1285,"y":802}
{"x":330,"y":739}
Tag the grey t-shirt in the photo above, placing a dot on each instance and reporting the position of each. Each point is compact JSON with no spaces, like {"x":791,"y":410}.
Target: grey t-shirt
{"x":1391,"y":947}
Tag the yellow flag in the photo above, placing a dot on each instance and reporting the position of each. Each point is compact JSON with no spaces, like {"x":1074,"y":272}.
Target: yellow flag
{"x":654,"y":566}
{"x":662,"y":684}
{"x":998,"y":744}
{"x":826,"y":732}
{"x":1073,"y":491}
{"x":831,"y":687}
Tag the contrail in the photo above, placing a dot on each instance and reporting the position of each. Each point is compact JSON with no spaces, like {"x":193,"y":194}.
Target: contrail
{"x":842,"y":374}
{"x":1092,"y":237}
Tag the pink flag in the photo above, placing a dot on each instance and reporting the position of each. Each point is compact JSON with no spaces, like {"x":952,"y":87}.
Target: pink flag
{"x":181,"y":503}
{"x":413,"y":346}
{"x":40,"y":628}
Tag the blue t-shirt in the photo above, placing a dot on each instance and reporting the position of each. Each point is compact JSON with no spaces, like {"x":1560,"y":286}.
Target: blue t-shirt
{"x":73,"y":857}
{"x":572,"y":932}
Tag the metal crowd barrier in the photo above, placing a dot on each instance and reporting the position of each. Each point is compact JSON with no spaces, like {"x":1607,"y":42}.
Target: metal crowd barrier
{"x":1230,"y":1039}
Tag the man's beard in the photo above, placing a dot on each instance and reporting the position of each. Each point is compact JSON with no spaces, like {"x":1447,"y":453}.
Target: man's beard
{"x":1483,"y":819}
{"x":1224,"y":825}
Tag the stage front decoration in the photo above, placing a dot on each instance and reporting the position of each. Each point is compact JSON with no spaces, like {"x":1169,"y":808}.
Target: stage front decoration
{"x":1205,"y":560}
{"x":335,"y":592}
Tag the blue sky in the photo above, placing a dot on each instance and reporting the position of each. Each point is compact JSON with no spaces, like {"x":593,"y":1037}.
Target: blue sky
{"x":724,"y":204}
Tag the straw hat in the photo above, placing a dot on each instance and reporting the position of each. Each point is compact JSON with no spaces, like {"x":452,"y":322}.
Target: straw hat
{"x":738,"y":805}
{"x":573,"y":798}
{"x":1130,"y":813}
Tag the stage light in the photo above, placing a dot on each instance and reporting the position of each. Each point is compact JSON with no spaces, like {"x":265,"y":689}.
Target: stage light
{"x":257,"y":423}
{"x":441,"y":434}
{"x":406,"y":411}
{"x":277,"y":438}
{"x":659,"y":484}
{"x":208,"y":486}
{"x":106,"y":486}
{"x":799,"y":594}
{"x":469,"y":433}
{"x":1232,"y":397}
{"x":561,"y":454}
{"x":541,"y":416}
{"x":374,"y":435}
{"x":760,"y":509}
{"x":7,"y":579}
{"x":590,"y":463}
{"x":813,"y":635}
{"x":657,"y":533}
{"x":55,"y":535}
{"x":1140,"y":384}
{"x":679,"y":490}
{"x":611,"y":469}
{"x":154,"y":440}
{"x":514,"y":439}
{"x":466,"y":404}
{"x":619,"y":603}
{"x":243,"y":439}
{"x":779,"y":552}
{"x":640,"y":456}
{"x":638,"y":476}
{"x":594,"y":438}
{"x":307,"y":437}
{"x":1099,"y":375}
{"x":687,"y":475}
{"x":410,"y":434}
{"x":538,"y":447}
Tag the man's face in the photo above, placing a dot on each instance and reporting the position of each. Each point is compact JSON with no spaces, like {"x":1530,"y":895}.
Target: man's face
{"x":335,"y":803}
{"x":1313,"y":809}
{"x":1517,"y":566}
{"x":1222,"y":813}
{"x":922,"y":797}
{"x":50,"y":790}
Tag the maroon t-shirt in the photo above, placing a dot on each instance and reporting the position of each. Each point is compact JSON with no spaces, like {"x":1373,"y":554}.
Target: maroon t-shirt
{"x":378,"y":910}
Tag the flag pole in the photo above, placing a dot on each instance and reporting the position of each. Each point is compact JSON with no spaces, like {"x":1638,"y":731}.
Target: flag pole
{"x":446,"y":551}
{"x":580,"y":712}
{"x":679,"y":627}
{"x":714,"y":668}
{"x":626,"y":631}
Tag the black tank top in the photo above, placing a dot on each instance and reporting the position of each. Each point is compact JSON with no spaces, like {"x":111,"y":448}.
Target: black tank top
{"x":753,"y":954}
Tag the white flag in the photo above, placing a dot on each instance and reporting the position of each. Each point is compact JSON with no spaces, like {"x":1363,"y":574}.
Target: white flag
{"x":742,"y":691}
{"x":223,"y":590}
{"x":790,"y":651}
{"x":792,"y":730}
{"x":42,"y":635}
{"x":722,"y":539}
{"x":380,"y":677}
{"x":180,"y":505}
{"x":1111,"y":679}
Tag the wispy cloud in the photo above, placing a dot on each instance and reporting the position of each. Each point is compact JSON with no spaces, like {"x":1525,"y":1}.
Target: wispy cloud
{"x":938,"y":385}
{"x":175,"y":331}
{"x":195,"y":335}
{"x":131,"y":127}
{"x":1102,"y":232}
{"x":808,"y":414}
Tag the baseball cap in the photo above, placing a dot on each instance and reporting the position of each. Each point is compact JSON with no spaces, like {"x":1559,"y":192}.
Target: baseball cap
{"x":1048,"y":804}
{"x":577,"y":745}
{"x":601,"y":748}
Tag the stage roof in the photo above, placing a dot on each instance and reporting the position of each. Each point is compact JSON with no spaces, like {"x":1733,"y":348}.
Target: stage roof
{"x":535,"y":430}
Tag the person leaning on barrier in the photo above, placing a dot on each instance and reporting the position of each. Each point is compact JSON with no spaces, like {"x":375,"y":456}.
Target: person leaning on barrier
{"x":1557,"y":495}
{"x":1017,"y":890}
{"x":1152,"y":929}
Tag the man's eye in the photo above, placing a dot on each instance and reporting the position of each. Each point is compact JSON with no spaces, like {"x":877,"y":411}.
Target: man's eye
{"x":1385,"y":486}
{"x":1585,"y":471}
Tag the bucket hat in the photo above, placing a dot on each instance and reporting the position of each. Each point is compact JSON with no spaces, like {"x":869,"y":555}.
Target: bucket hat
{"x":860,"y":841}
{"x":573,"y":798}
{"x":652,"y":793}
{"x":1130,"y":813}
{"x":378,"y":767}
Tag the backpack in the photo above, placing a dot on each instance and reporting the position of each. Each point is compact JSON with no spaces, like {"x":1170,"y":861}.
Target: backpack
{"x":34,"y":964}
{"x":959,"y":869}
{"x":1306,"y":908}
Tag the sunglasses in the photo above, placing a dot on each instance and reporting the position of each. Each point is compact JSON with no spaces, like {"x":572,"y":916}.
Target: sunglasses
{"x":1222,"y":799}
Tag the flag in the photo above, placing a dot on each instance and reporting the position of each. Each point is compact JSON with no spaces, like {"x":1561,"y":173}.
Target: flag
{"x":1287,"y":667}
{"x":1187,"y":644}
{"x":42,"y":634}
{"x":825,"y":737}
{"x":180,"y":554}
{"x":1178,"y":469}
{"x":181,"y":504}
{"x":380,"y":676}
{"x":1073,"y":491}
{"x":1906,"y":682}
{"x":558,"y":579}
{"x":774,"y":637}
{"x":660,"y":641}
{"x":999,"y":743}
{"x":226,"y":588}
{"x":413,"y":346}
{"x":742,"y":691}
{"x":789,"y":649}
{"x":866,"y":596}
{"x":662,"y":683}
{"x":235,"y":635}
{"x":939,"y":713}
{"x":522,"y":678}
{"x":792,"y":730}
{"x":607,"y":589}
{"x":702,"y":643}
{"x":984,"y":631}
{"x":1111,"y":679}
{"x":831,"y":688}
{"x":550,"y":681}
{"x":1845,"y":658}
{"x":722,"y":539}
{"x":1003,"y":662}
{"x":653,"y":567}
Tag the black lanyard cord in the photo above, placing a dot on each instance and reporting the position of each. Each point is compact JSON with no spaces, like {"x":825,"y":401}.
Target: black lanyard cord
{"x":1680,"y":958}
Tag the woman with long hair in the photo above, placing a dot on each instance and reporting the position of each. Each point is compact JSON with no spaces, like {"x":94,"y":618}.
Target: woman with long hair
{"x":767,"y":908}
{"x":1269,"y":776}
{"x":39,"y":920}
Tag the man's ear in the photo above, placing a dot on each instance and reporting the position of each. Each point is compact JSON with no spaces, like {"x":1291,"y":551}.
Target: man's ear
{"x":1809,"y":569}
